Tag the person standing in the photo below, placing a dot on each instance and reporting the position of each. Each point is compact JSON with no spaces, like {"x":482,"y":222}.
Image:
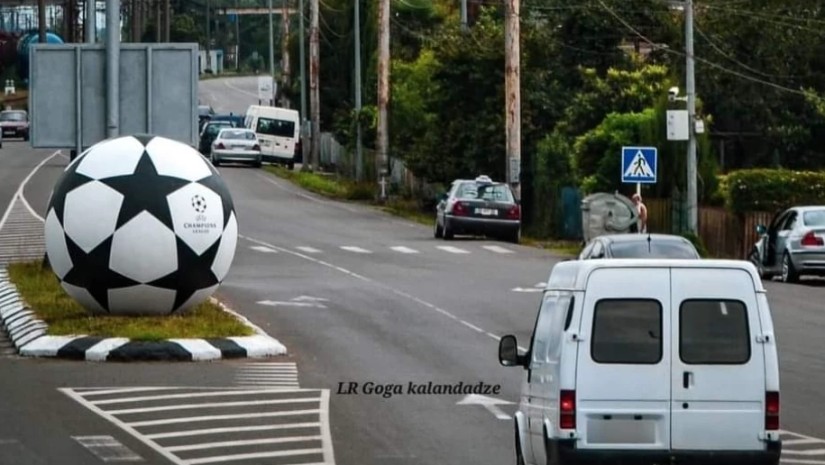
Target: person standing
{"x":641,"y":210}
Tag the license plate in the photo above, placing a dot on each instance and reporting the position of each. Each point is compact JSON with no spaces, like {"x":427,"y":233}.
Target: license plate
{"x":486,"y":211}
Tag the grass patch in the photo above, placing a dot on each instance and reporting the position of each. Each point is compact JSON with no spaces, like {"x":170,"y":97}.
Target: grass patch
{"x":41,"y":290}
{"x":408,"y":209}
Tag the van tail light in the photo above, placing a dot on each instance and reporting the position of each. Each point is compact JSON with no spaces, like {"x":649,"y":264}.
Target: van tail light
{"x":812,"y":239}
{"x":514,"y":213}
{"x":771,"y":410}
{"x":220,"y":146}
{"x":460,"y":209}
{"x":567,"y":410}
{"x":256,"y":147}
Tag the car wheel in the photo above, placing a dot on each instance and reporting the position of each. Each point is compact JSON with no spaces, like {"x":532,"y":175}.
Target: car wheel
{"x":215,"y":161}
{"x":258,"y":163}
{"x":26,"y":137}
{"x":439,"y":232}
{"x":291,"y":166}
{"x":514,"y":237}
{"x":754,"y":258}
{"x":789,"y":274}
{"x":448,"y":231}
{"x":519,"y":454}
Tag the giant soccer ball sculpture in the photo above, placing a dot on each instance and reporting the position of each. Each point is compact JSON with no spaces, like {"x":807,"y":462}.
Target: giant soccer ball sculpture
{"x":140,"y":225}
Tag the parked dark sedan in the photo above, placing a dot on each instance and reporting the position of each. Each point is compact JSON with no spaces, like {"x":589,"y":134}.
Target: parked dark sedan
{"x":15,"y":123}
{"x":208,"y":134}
{"x":478,"y":207}
{"x":639,"y":246}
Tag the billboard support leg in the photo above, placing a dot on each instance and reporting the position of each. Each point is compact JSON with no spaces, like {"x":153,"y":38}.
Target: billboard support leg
{"x":112,"y":68}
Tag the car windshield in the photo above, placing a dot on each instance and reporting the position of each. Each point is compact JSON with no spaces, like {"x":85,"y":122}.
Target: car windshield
{"x":657,"y":249}
{"x":12,"y":116}
{"x":275,"y":127}
{"x":814,"y":218}
{"x":214,"y":129}
{"x":494,"y":192}
{"x":238,"y":135}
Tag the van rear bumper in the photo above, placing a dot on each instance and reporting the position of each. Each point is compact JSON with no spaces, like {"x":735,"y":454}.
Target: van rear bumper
{"x":566,"y":453}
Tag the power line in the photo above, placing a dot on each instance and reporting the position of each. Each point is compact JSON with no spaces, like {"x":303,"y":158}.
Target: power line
{"x":732,"y":58}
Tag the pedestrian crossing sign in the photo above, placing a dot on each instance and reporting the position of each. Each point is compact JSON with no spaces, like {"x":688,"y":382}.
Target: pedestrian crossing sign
{"x":639,"y":165}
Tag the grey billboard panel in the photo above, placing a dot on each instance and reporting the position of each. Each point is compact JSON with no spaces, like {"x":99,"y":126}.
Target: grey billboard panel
{"x":55,"y":122}
{"x":67,"y":93}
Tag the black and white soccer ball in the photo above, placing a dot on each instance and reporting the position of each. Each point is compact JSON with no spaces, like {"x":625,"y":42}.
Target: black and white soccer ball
{"x":140,"y":225}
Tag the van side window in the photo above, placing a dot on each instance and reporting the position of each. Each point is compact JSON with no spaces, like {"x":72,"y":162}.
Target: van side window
{"x":714,"y":332}
{"x":549,"y":326}
{"x":627,"y":331}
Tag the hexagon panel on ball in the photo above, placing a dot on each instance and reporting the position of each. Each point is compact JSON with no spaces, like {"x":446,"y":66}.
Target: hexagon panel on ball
{"x":140,"y":225}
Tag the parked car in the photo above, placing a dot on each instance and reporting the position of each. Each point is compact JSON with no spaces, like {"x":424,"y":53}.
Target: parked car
{"x":793,"y":245}
{"x":478,"y":206}
{"x":236,"y":145}
{"x":209,"y":132}
{"x":205,"y":113}
{"x":649,"y":361}
{"x":235,"y":120}
{"x":15,"y":123}
{"x":639,"y":246}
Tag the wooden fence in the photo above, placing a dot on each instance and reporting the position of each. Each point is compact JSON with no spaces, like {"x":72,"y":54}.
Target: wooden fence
{"x":725,"y":235}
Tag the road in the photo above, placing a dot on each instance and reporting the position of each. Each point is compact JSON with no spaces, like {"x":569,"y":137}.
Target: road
{"x":356,"y":296}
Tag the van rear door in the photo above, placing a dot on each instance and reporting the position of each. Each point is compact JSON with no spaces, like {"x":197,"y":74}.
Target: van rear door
{"x":623,"y":373}
{"x":718,"y":365}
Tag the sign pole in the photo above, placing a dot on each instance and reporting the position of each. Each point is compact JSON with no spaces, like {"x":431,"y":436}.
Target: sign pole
{"x":639,"y":189}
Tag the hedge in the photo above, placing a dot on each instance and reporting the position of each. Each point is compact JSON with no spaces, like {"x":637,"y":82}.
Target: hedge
{"x":773,"y":189}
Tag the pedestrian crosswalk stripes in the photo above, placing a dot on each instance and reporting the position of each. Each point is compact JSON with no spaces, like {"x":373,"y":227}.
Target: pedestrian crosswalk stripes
{"x":274,"y":375}
{"x":399,"y":249}
{"x":201,"y":425}
{"x":802,"y":449}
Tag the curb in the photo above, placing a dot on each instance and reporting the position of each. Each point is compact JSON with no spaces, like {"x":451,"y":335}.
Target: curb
{"x":28,"y":335}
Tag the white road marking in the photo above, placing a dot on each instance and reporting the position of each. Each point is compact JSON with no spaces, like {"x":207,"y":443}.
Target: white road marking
{"x":257,"y":455}
{"x":403,"y":249}
{"x":472,"y":326}
{"x":796,"y":442}
{"x":22,"y":186}
{"x":489,"y":403}
{"x":221,"y":393}
{"x":108,"y":449}
{"x":232,"y":429}
{"x":166,"y":408}
{"x":496,"y":249}
{"x":526,"y":289}
{"x":276,"y":375}
{"x":801,"y":461}
{"x":803,"y":452}
{"x":352,"y":248}
{"x":248,"y":442}
{"x":451,"y":249}
{"x":308,"y":249}
{"x":237,"y":89}
{"x":260,"y":248}
{"x":306,"y":298}
{"x":129,"y":429}
{"x":362,"y":278}
{"x":275,"y":303}
{"x":291,"y":430}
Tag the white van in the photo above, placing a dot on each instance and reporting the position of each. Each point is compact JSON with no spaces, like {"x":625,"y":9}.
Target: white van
{"x":649,"y":362}
{"x":278,"y":130}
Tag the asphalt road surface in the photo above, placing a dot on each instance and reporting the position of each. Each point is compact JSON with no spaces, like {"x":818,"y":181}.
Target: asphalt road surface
{"x":357,"y":297}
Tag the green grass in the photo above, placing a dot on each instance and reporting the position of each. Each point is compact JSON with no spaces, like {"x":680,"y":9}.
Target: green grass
{"x":41,"y":290}
{"x":330,"y":186}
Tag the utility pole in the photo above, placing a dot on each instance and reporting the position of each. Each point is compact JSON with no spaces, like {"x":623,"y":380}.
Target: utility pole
{"x":359,"y":149}
{"x":512,"y":88}
{"x":464,"y":26}
{"x":157,"y":21}
{"x":41,"y":20}
{"x":303,"y":72}
{"x":90,"y":25}
{"x":271,"y":53}
{"x":237,"y":37}
{"x":692,"y":199}
{"x":167,"y":22}
{"x":134,"y":21}
{"x":207,"y":46}
{"x":285,"y":71}
{"x":382,"y":131}
{"x":313,"y":84}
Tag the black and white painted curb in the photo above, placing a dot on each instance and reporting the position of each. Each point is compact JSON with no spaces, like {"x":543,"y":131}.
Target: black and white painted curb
{"x":28,"y":334}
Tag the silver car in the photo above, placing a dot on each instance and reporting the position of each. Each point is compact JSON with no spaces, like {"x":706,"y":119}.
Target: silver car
{"x":792,"y":245}
{"x":236,"y":145}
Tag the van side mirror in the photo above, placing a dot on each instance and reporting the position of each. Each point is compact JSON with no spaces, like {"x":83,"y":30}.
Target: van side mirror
{"x":508,"y":352}
{"x":760,"y":229}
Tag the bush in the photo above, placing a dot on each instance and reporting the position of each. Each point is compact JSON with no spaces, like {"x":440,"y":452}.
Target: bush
{"x":773,"y":189}
{"x":697,"y":242}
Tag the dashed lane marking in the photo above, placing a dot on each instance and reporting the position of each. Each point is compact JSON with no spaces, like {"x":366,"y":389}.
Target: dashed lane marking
{"x":351,"y":248}
{"x":402,"y":249}
{"x":308,"y":249}
{"x":451,"y":249}
{"x":496,"y":249}
{"x":260,"y":248}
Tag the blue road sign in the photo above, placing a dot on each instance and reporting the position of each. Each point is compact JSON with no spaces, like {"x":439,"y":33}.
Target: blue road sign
{"x":639,"y":165}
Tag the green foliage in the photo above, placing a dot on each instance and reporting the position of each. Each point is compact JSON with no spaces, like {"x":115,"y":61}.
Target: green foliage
{"x":774,"y":189}
{"x":698,"y":243}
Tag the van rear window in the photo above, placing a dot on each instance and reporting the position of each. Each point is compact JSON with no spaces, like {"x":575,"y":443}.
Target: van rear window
{"x":627,"y":331}
{"x":714,"y":332}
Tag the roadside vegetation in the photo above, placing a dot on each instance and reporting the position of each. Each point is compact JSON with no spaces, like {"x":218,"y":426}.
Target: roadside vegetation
{"x":338,"y":188}
{"x":41,"y":290}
